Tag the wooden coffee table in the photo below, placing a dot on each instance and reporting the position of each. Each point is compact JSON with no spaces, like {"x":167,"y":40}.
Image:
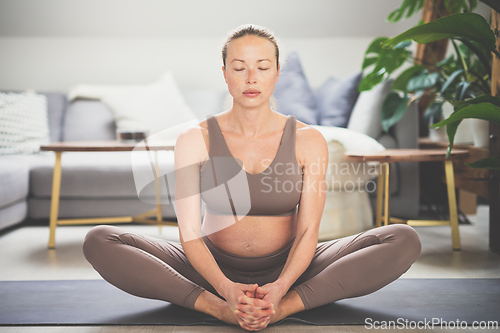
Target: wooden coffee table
{"x":386,"y":157}
{"x":103,"y":146}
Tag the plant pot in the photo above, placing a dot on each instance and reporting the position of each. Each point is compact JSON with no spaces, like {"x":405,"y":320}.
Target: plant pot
{"x":480,"y":132}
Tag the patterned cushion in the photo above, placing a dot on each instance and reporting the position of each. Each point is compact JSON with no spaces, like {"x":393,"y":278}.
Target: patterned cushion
{"x":24,"y":124}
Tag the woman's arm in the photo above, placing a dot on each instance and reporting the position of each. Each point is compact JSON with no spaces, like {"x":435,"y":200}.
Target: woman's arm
{"x":314,"y":148}
{"x":187,"y":153}
{"x":189,"y":150}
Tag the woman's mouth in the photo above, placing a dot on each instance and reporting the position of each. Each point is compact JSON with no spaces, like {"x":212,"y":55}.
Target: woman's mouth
{"x":251,"y":93}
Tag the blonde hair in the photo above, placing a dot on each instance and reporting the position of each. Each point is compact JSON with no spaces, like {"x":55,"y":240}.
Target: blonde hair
{"x":251,"y":29}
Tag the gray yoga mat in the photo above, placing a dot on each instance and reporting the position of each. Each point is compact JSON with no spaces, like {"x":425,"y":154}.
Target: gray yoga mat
{"x":96,"y":302}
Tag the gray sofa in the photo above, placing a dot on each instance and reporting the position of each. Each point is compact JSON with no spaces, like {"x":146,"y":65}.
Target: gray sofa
{"x":97,"y":184}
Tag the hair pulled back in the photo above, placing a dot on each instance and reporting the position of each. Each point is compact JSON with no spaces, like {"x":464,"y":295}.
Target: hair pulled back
{"x":250,"y":29}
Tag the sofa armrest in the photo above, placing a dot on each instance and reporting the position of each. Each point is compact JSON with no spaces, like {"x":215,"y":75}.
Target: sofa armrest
{"x":343,"y":175}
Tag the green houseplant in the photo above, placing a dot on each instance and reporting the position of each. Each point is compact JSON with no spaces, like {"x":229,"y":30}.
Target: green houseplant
{"x":462,"y":79}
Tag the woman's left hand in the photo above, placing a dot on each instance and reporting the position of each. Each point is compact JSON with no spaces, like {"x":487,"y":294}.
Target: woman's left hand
{"x":270,"y":292}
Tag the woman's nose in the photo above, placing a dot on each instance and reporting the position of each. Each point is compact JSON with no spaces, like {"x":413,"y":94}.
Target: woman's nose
{"x":251,"y":78}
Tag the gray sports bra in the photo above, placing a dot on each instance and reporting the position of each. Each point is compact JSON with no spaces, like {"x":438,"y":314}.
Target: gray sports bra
{"x":227,"y":189}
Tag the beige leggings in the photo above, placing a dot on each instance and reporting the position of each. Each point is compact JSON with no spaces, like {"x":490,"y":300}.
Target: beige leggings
{"x":342,"y":268}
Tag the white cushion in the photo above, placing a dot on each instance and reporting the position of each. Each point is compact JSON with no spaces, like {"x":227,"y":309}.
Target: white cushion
{"x":366,"y":116}
{"x":351,"y":140}
{"x":97,"y":91}
{"x":24,"y":123}
{"x":159,"y":108}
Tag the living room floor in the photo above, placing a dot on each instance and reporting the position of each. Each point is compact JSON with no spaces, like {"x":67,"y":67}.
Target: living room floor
{"x":25,"y":257}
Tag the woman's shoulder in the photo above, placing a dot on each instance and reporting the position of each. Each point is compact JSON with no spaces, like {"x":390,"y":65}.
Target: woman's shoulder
{"x":192,"y":143}
{"x":310,"y":143}
{"x":307,"y":133}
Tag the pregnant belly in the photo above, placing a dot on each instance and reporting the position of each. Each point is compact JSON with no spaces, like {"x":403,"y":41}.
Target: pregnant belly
{"x":252,"y":235}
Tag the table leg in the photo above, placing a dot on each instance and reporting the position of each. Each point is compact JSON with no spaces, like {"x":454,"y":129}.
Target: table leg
{"x":380,"y":196}
{"x":452,"y":204}
{"x":158,"y":192}
{"x":54,"y":205}
{"x":387,"y":194}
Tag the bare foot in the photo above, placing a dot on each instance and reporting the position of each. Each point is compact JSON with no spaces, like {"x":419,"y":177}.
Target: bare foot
{"x":277,"y":316}
{"x":227,"y":316}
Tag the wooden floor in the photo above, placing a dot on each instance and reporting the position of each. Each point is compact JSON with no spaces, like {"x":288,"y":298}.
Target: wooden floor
{"x":24,"y":256}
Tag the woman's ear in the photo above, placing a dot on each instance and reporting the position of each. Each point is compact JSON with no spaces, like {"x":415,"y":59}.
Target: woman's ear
{"x":224,"y":73}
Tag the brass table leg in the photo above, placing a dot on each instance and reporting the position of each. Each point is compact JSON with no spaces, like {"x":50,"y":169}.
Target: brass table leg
{"x":54,"y":205}
{"x":452,"y":204}
{"x":387,"y":194}
{"x":158,"y":192}
{"x":380,"y":196}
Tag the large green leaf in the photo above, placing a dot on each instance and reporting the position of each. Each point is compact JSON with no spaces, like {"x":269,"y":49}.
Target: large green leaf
{"x":376,"y":45}
{"x":450,"y":79}
{"x":451,"y":130}
{"x":492,"y":162}
{"x":368,"y":61}
{"x":480,"y":99}
{"x":393,"y":109}
{"x":462,"y":90}
{"x":478,"y":53}
{"x":467,"y":25}
{"x":383,"y":60}
{"x":371,"y":80}
{"x":422,"y":81}
{"x":485,"y":111}
{"x":402,"y":80}
{"x":410,"y":5}
{"x":433,"y":113}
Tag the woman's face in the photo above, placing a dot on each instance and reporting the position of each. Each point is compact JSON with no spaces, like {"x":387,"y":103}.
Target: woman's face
{"x":251,"y":72}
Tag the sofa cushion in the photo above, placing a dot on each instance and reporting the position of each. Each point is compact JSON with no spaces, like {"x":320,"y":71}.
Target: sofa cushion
{"x":88,"y":120}
{"x":98,"y":175}
{"x":335,"y":100}
{"x":56,"y":106}
{"x":14,"y":177}
{"x":24,"y":122}
{"x":366,"y":116}
{"x":154,"y":107}
{"x":203,"y":102}
{"x":292,"y":93}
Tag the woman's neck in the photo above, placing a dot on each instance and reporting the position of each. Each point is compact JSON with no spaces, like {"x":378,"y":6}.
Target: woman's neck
{"x":250,"y":122}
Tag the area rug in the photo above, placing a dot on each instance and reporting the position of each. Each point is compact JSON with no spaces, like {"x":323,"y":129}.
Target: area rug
{"x":96,"y":302}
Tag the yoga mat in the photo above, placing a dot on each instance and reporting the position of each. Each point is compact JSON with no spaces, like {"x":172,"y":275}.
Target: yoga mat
{"x":96,"y":302}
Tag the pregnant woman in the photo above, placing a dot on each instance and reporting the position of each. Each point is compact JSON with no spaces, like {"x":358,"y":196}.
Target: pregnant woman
{"x":256,"y":258}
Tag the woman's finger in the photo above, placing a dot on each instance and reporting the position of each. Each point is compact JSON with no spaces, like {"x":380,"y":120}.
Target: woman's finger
{"x":259,"y":303}
{"x":257,"y":325}
{"x":254,"y":311}
{"x":244,"y":299}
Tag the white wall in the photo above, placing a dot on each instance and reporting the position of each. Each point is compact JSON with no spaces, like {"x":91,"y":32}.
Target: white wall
{"x":51,"y":45}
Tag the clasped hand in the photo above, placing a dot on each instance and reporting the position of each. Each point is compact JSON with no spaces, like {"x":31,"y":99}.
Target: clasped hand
{"x":253,"y":305}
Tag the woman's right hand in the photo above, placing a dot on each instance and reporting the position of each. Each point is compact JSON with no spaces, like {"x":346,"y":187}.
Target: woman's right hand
{"x":256,"y":309}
